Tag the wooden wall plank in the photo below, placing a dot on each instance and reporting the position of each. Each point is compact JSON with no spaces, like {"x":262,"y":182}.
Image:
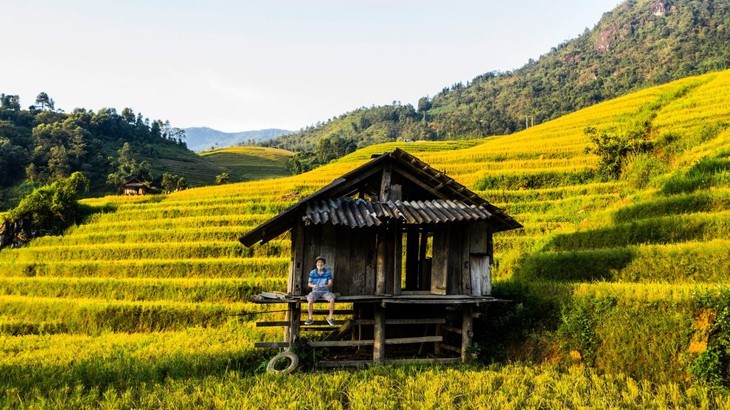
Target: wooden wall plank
{"x":455,"y":265}
{"x":342,"y":269}
{"x":439,"y":264}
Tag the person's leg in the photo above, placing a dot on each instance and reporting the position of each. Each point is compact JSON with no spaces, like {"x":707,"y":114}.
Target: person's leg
{"x":310,"y":307}
{"x":332,"y":308}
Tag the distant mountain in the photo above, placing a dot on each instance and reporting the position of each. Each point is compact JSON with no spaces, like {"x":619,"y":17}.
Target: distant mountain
{"x":204,"y":138}
{"x":638,"y":44}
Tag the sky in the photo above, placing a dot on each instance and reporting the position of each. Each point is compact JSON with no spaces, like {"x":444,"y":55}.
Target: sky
{"x":239,"y":65}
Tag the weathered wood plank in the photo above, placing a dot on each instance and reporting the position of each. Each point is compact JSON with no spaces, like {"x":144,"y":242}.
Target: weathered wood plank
{"x":451,"y":329}
{"x":270,"y":345}
{"x":466,"y":334}
{"x":434,"y":321}
{"x":425,"y":321}
{"x":451,"y":348}
{"x":440,"y":360}
{"x":439,"y":273}
{"x":382,"y":262}
{"x":397,"y":255}
{"x":339,"y":343}
{"x":385,"y":184}
{"x":379,"y":335}
{"x":409,"y":340}
{"x":342,"y":264}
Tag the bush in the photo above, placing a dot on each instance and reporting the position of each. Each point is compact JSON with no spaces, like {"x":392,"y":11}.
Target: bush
{"x":47,"y":210}
{"x":641,"y":168}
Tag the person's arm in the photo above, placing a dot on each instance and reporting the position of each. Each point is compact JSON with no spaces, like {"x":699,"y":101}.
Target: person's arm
{"x":329,"y":282}
{"x":310,"y":284}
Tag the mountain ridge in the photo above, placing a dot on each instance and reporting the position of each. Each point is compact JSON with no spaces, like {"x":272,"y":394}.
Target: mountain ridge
{"x":205,"y":138}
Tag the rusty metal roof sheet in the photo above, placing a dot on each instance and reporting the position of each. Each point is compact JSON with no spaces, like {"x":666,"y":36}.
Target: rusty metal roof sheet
{"x":359,"y":213}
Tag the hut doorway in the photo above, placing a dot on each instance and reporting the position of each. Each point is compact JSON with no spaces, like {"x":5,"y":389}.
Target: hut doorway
{"x":417,"y":252}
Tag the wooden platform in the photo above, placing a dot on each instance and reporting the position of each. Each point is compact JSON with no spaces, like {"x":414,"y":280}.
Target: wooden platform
{"x":391,"y":299}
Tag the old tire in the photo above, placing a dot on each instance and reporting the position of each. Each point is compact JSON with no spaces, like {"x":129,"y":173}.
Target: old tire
{"x":272,"y":368}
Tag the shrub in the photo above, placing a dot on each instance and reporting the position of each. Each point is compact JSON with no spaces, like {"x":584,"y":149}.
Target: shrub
{"x":47,"y":210}
{"x":641,"y":168}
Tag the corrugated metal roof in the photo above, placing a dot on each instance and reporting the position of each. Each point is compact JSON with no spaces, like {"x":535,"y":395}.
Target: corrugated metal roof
{"x":359,"y":213}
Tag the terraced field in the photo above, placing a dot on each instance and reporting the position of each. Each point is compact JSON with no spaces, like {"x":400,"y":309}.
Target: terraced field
{"x":150,"y":295}
{"x":249,"y":163}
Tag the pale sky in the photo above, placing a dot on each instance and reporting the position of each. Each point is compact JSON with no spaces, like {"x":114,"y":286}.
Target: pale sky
{"x":245,"y":65}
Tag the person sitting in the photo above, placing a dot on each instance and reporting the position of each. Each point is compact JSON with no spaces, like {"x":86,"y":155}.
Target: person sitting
{"x":320,"y":281}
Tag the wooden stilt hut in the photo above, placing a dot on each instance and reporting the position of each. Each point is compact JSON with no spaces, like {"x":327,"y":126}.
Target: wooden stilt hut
{"x":411,"y":252}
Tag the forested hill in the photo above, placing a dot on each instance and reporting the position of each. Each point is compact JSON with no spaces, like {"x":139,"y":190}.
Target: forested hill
{"x":41,"y":144}
{"x":638,"y":44}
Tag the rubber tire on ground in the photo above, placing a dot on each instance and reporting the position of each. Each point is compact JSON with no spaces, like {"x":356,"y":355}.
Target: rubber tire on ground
{"x":271,"y":367}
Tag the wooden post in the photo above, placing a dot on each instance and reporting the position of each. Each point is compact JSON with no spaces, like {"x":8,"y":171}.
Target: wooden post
{"x":294,"y":313}
{"x":384,"y":194}
{"x":381,"y":269}
{"x":397,"y":257}
{"x":294,"y":286}
{"x":437,"y":345}
{"x":379,"y":334}
{"x":467,"y":332}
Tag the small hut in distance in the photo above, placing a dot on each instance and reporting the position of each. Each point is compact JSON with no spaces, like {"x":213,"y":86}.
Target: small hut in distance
{"x":136,"y":187}
{"x":408,"y":246}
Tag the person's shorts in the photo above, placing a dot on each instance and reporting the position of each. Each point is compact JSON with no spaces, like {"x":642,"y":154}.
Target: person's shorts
{"x":320,"y":294}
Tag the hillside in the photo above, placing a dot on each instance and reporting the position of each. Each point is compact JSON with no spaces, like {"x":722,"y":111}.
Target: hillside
{"x":204,"y":138}
{"x":41,"y":145}
{"x":250,"y":163}
{"x":620,"y":287}
{"x":638,"y":44}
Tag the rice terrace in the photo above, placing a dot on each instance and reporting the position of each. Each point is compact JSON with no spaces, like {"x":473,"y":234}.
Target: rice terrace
{"x":582,"y":261}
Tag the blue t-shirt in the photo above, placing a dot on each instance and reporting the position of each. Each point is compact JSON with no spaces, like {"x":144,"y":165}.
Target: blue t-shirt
{"x":320,"y":280}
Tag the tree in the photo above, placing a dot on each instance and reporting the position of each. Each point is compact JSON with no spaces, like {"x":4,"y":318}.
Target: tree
{"x":181,"y":184}
{"x":612,"y":149}
{"x":47,"y":210}
{"x":45,"y":101}
{"x":129,"y":168}
{"x":222,"y":178}
{"x":172,"y":182}
{"x":9,"y":102}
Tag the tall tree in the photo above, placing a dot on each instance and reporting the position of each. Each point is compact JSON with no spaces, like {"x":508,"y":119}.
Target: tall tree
{"x":45,"y":101}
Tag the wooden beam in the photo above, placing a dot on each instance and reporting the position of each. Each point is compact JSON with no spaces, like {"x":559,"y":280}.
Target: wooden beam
{"x":397,"y":257}
{"x":381,"y":272}
{"x":442,"y":360}
{"x":379,"y":335}
{"x":466,"y":334}
{"x":270,"y":345}
{"x":451,"y":329}
{"x":451,"y":348}
{"x":409,"y":340}
{"x":427,"y":321}
{"x":339,"y":343}
{"x":385,"y":182}
{"x":434,"y":321}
